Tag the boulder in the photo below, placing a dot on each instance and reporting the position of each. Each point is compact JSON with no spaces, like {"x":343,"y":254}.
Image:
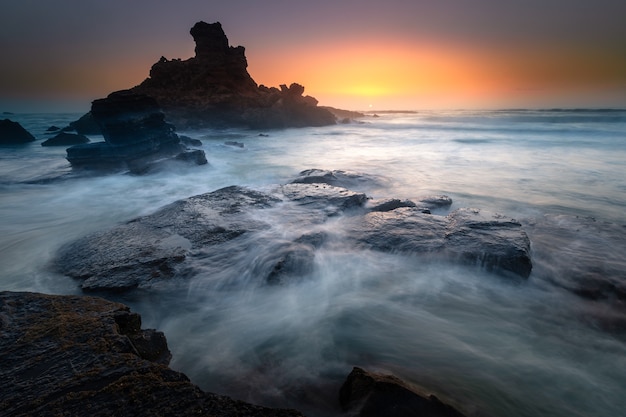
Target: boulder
{"x":135,"y":135}
{"x":66,"y":139}
{"x":369,"y":394}
{"x":12,"y":133}
{"x":79,"y":355}
{"x":214,"y":89}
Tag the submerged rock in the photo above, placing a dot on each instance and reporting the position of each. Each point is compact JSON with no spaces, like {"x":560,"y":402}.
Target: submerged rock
{"x":214,"y":89}
{"x":12,"y":133}
{"x":79,"y":355}
{"x":368,"y":394}
{"x":583,"y":255}
{"x":135,"y":135}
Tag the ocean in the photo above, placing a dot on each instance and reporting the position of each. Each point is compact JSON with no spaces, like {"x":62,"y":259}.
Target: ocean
{"x":493,"y":347}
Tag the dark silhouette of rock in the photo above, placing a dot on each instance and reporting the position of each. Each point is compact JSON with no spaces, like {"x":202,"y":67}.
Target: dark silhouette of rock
{"x":135,"y":134}
{"x":214,"y":89}
{"x":53,"y":129}
{"x":66,"y":139}
{"x":86,"y":125}
{"x":368,"y":394}
{"x":12,"y":133}
{"x":72,"y":355}
{"x":220,"y":228}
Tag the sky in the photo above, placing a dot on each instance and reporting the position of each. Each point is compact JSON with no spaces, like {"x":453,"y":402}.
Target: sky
{"x":59,"y":55}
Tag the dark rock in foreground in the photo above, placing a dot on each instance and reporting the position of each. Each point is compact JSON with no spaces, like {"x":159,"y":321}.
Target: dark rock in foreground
{"x":12,"y":133}
{"x":135,"y":134}
{"x":214,"y":89}
{"x":220,"y":227}
{"x":367,"y":394}
{"x":66,"y":139}
{"x":71,"y":355}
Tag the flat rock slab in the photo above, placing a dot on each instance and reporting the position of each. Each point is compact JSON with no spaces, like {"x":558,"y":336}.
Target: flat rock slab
{"x":79,"y":355}
{"x":473,"y":236}
{"x":284,"y":227}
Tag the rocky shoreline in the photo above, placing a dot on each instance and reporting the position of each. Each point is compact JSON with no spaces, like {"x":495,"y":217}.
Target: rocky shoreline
{"x":83,"y":355}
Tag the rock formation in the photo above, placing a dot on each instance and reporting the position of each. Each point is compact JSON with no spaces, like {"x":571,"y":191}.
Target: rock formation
{"x":368,"y":394}
{"x":214,"y":89}
{"x":135,"y":134}
{"x":66,"y":139}
{"x":71,"y":355}
{"x":219,"y":228}
{"x":12,"y":133}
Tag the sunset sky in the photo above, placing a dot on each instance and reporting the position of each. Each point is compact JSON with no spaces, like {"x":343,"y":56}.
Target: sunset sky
{"x":356,"y":54}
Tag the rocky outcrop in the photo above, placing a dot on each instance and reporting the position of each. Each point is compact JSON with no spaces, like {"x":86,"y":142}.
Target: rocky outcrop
{"x":66,"y":139}
{"x":12,"y":133}
{"x":368,"y":394}
{"x":71,"y":355}
{"x":214,"y":230}
{"x":135,"y":134}
{"x":214,"y":88}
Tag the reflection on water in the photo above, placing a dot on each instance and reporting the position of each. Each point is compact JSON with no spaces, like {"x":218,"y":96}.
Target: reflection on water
{"x":514,"y":349}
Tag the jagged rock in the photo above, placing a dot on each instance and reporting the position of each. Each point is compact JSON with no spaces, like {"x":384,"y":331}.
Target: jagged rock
{"x":12,"y":133}
{"x":368,"y":394}
{"x":53,"y":129}
{"x":214,"y":89}
{"x":216,"y":231}
{"x":66,"y":139}
{"x":72,"y":355}
{"x":135,"y":134}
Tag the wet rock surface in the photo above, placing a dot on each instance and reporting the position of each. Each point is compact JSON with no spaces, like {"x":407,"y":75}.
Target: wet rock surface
{"x":283,"y":228}
{"x":79,"y":355}
{"x":368,"y":394}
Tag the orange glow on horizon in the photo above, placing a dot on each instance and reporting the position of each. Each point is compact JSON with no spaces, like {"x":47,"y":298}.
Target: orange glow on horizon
{"x":386,"y":74}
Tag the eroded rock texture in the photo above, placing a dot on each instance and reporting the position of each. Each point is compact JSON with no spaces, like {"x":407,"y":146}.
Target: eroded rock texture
{"x":79,"y":355}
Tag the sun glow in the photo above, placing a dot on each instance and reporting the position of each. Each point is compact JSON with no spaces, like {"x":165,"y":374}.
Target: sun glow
{"x":354,"y":74}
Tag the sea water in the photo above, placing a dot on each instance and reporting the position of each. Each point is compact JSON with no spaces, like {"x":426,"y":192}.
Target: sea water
{"x":488,"y":345}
